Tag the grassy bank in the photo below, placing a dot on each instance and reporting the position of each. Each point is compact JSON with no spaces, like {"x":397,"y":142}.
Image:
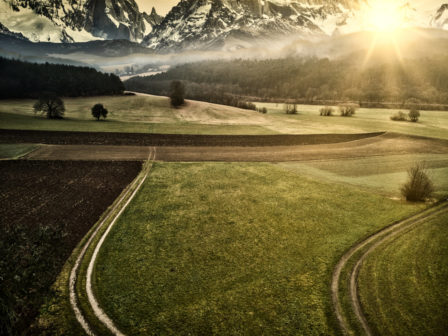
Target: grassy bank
{"x":15,"y":151}
{"x":404,"y":283}
{"x":378,"y":174}
{"x":216,"y":248}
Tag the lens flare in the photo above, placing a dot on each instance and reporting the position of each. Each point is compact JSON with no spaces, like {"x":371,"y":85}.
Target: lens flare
{"x":385,"y":16}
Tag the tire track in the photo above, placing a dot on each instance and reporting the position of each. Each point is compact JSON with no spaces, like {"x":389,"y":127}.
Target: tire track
{"x":374,"y":241}
{"x":74,"y":301}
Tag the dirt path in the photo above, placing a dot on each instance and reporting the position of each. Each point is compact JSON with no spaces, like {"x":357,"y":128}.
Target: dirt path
{"x":380,"y":145}
{"x":110,"y":218}
{"x":89,"y":153}
{"x":371,"y":243}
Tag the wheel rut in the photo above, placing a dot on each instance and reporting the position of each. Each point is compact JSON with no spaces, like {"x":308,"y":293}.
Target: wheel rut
{"x":361,"y":251}
{"x":109,"y":220}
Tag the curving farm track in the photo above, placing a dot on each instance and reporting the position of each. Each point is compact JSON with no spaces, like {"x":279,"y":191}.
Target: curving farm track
{"x":107,"y":223}
{"x":359,"y":253}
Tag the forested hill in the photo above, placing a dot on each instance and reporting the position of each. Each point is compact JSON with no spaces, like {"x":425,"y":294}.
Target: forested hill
{"x":311,"y":79}
{"x":28,"y":80}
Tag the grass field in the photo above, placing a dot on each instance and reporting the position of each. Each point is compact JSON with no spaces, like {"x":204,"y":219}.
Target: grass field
{"x":149,"y":114}
{"x":135,"y":114}
{"x":220,"y":248}
{"x":432,"y":123}
{"x":378,"y":174}
{"x":8,"y":151}
{"x":404,"y":283}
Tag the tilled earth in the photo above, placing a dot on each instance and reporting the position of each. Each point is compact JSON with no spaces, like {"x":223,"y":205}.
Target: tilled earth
{"x":141,"y":139}
{"x":46,"y":209}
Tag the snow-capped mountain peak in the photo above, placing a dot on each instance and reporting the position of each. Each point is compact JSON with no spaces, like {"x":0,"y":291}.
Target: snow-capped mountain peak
{"x":76,"y":20}
{"x":213,"y":23}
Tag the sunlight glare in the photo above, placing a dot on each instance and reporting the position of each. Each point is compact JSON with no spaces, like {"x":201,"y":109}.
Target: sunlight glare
{"x":384,"y":16}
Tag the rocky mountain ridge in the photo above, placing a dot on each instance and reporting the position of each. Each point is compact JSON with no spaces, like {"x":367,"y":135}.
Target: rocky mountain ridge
{"x":77,"y":20}
{"x":440,"y":19}
{"x":191,"y":24}
{"x":232,"y":23}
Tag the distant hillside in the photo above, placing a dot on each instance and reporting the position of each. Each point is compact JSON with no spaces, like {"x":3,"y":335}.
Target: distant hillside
{"x":27,"y":80}
{"x":310,"y":80}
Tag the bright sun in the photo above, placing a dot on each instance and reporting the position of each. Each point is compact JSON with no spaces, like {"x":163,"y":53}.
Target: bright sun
{"x":384,"y":16}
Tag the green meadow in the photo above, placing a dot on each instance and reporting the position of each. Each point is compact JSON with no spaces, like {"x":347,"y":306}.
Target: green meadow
{"x":404,"y":283}
{"x":226,"y":248}
{"x":151,"y":114}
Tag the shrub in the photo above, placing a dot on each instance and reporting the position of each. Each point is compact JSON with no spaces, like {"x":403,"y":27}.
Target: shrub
{"x":419,"y":186}
{"x":348,"y":110}
{"x":290,"y":108}
{"x":326,"y":111}
{"x":264,"y":110}
{"x":414,"y":115}
{"x":399,"y":116}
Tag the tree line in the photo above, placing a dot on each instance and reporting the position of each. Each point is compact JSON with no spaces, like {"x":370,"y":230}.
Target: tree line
{"x":20,"y":79}
{"x":310,"y":80}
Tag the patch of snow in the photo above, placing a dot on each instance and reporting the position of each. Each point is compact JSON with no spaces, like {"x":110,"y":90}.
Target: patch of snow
{"x":35,"y":27}
{"x":81,"y":35}
{"x":114,"y":21}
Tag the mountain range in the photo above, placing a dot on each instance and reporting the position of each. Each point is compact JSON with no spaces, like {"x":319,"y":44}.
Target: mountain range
{"x":194,"y":25}
{"x":77,"y":20}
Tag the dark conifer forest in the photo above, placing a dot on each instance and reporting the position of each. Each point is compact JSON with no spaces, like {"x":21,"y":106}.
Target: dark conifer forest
{"x":29,"y":80}
{"x":309,"y":80}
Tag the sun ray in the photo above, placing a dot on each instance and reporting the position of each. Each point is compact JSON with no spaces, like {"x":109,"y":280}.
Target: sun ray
{"x":370,"y":51}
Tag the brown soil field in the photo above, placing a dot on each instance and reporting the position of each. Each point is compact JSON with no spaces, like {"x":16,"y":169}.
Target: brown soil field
{"x":47,"y":207}
{"x":386,"y":144}
{"x":140,"y":139}
{"x":90,"y":153}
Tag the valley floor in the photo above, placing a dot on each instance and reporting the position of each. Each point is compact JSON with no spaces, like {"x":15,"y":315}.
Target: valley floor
{"x":237,"y":234}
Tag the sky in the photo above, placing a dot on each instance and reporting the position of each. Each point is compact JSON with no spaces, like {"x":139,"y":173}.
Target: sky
{"x":162,"y":6}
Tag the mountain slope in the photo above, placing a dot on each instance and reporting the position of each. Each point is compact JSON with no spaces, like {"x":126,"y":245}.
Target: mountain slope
{"x":232,"y":23}
{"x":440,"y":19}
{"x":76,"y":20}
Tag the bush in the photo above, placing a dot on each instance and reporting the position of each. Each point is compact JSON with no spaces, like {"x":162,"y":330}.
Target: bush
{"x":348,"y":110}
{"x":419,"y":186}
{"x":99,"y":111}
{"x":326,"y":111}
{"x":244,"y":105}
{"x":399,"y":116}
{"x":414,"y":115}
{"x":290,"y":108}
{"x":264,"y":110}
